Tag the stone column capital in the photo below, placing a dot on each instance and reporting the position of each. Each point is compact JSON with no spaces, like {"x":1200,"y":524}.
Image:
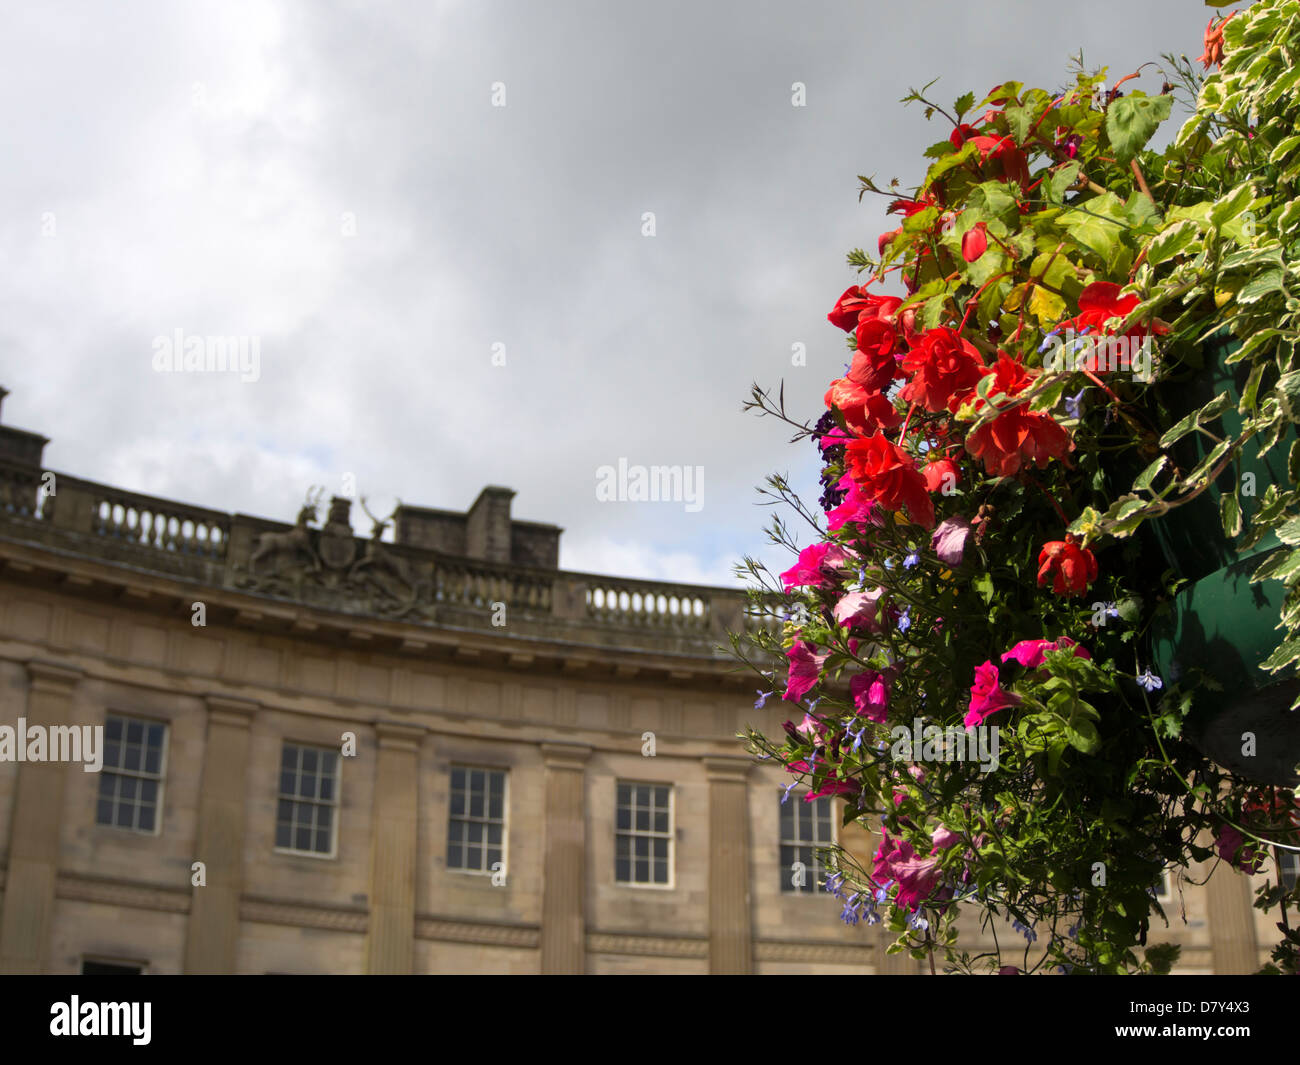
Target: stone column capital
{"x":571,"y":756}
{"x":393,"y":736}
{"x":727,"y":769}
{"x":229,"y":710}
{"x":52,"y":677}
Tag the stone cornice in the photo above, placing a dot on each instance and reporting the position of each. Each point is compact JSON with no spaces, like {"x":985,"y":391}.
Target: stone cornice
{"x":170,"y":595}
{"x":647,"y":946}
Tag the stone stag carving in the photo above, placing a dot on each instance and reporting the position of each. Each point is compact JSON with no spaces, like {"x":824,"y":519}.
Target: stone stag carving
{"x":387,"y":571}
{"x":294,"y":544}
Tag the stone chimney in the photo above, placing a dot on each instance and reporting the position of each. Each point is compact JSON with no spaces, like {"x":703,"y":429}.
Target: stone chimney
{"x":487,"y":525}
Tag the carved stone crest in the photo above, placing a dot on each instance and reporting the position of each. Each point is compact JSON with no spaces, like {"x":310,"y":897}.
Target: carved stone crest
{"x":338,"y":547}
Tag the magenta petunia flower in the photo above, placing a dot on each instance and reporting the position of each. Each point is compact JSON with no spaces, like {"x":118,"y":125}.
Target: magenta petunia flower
{"x":805,"y":669}
{"x":856,"y":507}
{"x":916,"y":877}
{"x":870,"y":692}
{"x":986,"y":697}
{"x":949,"y":540}
{"x":832,"y":787}
{"x":809,"y":568}
{"x":1029,"y":653}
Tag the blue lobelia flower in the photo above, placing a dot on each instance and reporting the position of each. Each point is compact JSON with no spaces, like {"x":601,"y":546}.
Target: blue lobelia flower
{"x":1150,"y":681}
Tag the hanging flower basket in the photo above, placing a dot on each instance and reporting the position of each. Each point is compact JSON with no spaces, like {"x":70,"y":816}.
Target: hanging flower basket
{"x":1053,"y":580}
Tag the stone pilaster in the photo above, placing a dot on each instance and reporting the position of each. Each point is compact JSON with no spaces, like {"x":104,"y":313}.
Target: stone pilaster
{"x":731,"y":948}
{"x":1231,"y":921}
{"x":564,"y":894}
{"x":36,"y":828}
{"x":394,"y":835}
{"x":212,"y":933}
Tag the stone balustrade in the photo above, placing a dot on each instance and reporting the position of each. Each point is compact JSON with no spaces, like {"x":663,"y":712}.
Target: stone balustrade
{"x":421,"y":585}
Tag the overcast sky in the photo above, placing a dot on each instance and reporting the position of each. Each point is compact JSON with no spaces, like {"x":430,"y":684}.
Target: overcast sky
{"x":335,"y":180}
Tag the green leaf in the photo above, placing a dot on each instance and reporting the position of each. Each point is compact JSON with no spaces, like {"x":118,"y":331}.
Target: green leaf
{"x":1096,"y":225}
{"x":1290,"y":532}
{"x":1082,"y":735}
{"x":1214,"y":408}
{"x":1233,"y":204}
{"x":1282,"y":657}
{"x":1172,"y":241}
{"x":984,"y":585}
{"x":1062,"y":181}
{"x":1180,"y":430}
{"x":1148,"y":475}
{"x":967,"y":100}
{"x":1018,"y":119}
{"x":1132,"y":120}
{"x":1230,"y":514}
{"x":1283,"y":149}
{"x":1259,"y":287}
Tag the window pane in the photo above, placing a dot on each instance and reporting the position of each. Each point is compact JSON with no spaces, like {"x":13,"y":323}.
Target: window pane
{"x":131,"y":759}
{"x":323,"y":840}
{"x":455,"y":856}
{"x":476,"y":804}
{"x":498,"y":782}
{"x":149,"y":790}
{"x":283,"y":838}
{"x":474,"y":857}
{"x":493,"y":856}
{"x":496,"y":807}
{"x":476,"y":781}
{"x":134,"y":732}
{"x":494,"y":835}
{"x":457,"y":778}
{"x":152,"y":760}
{"x":625,"y":795}
{"x":302,"y":839}
{"x":642,"y":820}
{"x":642,"y":871}
{"x":457,"y":803}
{"x":622,"y":870}
{"x":661,"y":848}
{"x":113,"y":729}
{"x":128,"y":787}
{"x":113,"y":755}
{"x":661,"y":797}
{"x":327,"y":788}
{"x":287,"y":783}
{"x":146,"y":818}
{"x":661,"y":822}
{"x":642,"y":845}
{"x":308,"y":760}
{"x":475,"y":832}
{"x":289,"y":757}
{"x":624,"y":821}
{"x":661,"y":872}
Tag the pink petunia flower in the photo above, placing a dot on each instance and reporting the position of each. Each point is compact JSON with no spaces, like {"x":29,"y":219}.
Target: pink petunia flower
{"x":1029,"y":653}
{"x":986,"y":697}
{"x":949,"y":540}
{"x":860,"y":610}
{"x":870,"y":692}
{"x":804,"y":671}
